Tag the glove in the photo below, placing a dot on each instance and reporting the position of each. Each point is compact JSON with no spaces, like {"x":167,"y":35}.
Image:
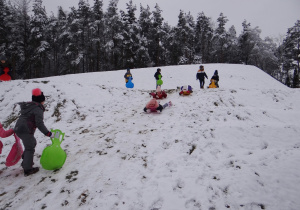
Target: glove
{"x":50,"y":134}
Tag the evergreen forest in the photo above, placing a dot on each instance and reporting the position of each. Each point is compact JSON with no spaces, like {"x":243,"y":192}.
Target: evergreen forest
{"x":91,"y":39}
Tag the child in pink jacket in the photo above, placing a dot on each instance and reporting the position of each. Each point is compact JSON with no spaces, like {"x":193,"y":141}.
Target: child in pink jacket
{"x":154,"y":106}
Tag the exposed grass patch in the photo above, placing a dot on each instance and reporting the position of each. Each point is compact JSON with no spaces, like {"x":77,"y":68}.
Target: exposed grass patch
{"x":57,"y":112}
{"x":83,"y":196}
{"x":192,"y":149}
{"x":71,"y":177}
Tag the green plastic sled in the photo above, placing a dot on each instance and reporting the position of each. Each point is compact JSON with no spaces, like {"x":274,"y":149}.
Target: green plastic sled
{"x":159,"y":82}
{"x":53,"y":156}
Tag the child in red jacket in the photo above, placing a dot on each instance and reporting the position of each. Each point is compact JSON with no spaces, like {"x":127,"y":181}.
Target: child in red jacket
{"x":159,"y":94}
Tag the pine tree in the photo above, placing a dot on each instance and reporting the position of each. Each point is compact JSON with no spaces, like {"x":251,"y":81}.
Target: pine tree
{"x":233,"y":55}
{"x":130,"y":33}
{"x":72,"y":51}
{"x":166,"y":44}
{"x":190,"y":49}
{"x":203,"y":38}
{"x":249,"y":42}
{"x":8,"y":45}
{"x":113,"y":36}
{"x":98,"y":36}
{"x":58,"y":40}
{"x":267,"y":56}
{"x":220,"y":40}
{"x":184,"y":33}
{"x":20,"y":35}
{"x":38,"y":44}
{"x":142,"y":56}
{"x":155,"y":49}
{"x":5,"y":30}
{"x":84,"y":34}
{"x":145,"y":21}
{"x":291,"y":53}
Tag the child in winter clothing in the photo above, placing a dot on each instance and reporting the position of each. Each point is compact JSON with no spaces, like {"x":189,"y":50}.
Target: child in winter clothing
{"x":154,"y":106}
{"x":156,"y":75}
{"x":201,"y":76}
{"x":32,"y":117}
{"x":159,"y":94}
{"x":127,"y":75}
{"x":215,"y":77}
{"x":186,"y":90}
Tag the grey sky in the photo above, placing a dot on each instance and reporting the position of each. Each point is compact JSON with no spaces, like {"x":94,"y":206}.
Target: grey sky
{"x":273,"y":17}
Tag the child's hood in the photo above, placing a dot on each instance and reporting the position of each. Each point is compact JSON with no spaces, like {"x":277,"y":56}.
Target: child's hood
{"x":28,"y":106}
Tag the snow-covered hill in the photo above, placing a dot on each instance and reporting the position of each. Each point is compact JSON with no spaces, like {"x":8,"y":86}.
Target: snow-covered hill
{"x":236,"y":147}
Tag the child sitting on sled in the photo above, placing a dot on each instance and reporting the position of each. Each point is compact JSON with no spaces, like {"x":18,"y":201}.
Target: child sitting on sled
{"x":186,"y":90}
{"x":154,"y":106}
{"x":159,"y":94}
{"x":214,"y":81}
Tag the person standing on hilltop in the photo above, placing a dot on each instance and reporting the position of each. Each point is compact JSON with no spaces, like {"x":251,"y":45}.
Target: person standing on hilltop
{"x":201,"y":76}
{"x":128,"y":75}
{"x":157,"y":76}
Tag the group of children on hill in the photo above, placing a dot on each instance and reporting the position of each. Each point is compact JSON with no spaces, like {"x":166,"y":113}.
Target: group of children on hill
{"x":154,"y":106}
{"x":32,"y":117}
{"x":201,"y":77}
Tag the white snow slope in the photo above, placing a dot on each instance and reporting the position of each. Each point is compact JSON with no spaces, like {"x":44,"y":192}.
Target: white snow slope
{"x":236,"y":147}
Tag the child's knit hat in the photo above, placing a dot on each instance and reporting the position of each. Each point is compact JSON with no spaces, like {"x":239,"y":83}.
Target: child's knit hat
{"x":37,"y":95}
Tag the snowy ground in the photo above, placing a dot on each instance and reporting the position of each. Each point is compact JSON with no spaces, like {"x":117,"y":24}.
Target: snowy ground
{"x":236,"y":147}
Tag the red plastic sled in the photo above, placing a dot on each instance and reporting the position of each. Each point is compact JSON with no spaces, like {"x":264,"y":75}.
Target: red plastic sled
{"x":15,"y":153}
{"x":5,"y":76}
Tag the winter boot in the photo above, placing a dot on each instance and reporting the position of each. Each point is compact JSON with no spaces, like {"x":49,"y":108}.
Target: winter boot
{"x":31,"y":171}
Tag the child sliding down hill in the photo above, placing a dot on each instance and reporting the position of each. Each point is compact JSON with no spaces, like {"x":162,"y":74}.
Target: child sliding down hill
{"x":159,"y":94}
{"x":214,"y":81}
{"x":154,"y":106}
{"x":186,"y":90}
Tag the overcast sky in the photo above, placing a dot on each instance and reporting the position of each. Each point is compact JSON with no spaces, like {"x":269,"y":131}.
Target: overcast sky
{"x":273,"y":17}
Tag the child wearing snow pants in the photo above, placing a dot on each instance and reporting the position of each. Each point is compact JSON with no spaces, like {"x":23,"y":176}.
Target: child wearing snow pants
{"x":32,"y":117}
{"x":154,"y":106}
{"x":201,"y":76}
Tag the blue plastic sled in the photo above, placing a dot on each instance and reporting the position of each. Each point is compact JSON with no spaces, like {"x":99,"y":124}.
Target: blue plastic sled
{"x":129,"y":84}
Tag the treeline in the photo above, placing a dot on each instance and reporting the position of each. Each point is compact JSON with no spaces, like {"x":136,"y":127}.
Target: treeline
{"x":89,"y":39}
